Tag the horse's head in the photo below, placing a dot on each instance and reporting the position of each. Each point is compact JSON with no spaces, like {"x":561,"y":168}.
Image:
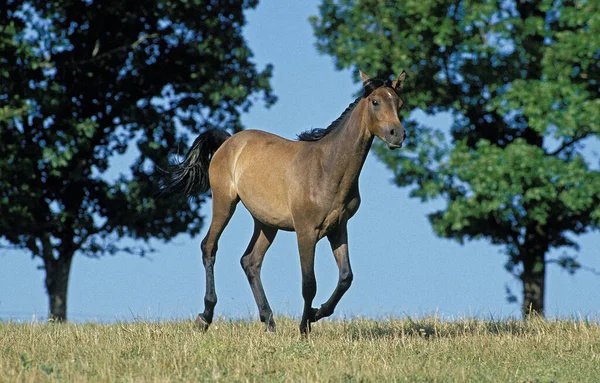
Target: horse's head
{"x":383,"y":107}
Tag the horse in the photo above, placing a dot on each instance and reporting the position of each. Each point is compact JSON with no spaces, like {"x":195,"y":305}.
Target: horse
{"x":309,"y":186}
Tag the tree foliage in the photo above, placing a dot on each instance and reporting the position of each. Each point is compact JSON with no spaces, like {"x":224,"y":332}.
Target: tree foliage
{"x":521,"y":79}
{"x":86,"y":84}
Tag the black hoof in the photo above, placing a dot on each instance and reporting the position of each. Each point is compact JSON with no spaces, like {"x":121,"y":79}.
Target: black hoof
{"x":305,"y":328}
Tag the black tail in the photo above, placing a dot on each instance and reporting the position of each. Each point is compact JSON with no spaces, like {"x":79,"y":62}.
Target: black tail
{"x":190,"y":177}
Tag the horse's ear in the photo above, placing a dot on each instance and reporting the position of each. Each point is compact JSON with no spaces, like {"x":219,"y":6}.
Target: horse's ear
{"x":363,"y":76}
{"x":399,"y":82}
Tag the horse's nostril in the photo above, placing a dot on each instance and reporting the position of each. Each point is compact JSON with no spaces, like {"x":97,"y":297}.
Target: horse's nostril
{"x":392,"y":132}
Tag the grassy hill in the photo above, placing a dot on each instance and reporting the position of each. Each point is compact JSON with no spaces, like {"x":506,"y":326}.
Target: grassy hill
{"x":424,"y":350}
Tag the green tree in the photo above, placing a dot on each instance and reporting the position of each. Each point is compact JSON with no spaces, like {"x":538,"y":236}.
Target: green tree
{"x":522,"y":81}
{"x":83,"y":81}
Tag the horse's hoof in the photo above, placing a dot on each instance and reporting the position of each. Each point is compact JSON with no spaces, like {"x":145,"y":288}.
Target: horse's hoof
{"x":270,"y":327}
{"x":305,"y":328}
{"x":202,"y":323}
{"x":313,"y":315}
{"x":319,"y":315}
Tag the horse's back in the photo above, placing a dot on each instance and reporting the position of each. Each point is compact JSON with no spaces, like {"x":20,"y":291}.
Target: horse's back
{"x":251,"y":148}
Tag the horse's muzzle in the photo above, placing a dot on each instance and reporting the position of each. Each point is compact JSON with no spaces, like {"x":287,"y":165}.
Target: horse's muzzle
{"x":394,"y":136}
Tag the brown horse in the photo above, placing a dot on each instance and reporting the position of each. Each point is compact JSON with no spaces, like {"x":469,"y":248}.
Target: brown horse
{"x":309,"y":186}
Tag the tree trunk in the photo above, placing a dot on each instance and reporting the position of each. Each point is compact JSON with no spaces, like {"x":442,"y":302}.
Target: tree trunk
{"x":57,"y":283}
{"x":534,"y":283}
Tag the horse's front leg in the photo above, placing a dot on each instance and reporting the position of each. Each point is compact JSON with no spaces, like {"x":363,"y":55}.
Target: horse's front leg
{"x":306,"y":247}
{"x":339,"y":244}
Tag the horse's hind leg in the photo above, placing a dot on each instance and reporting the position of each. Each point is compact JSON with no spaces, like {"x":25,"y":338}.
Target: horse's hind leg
{"x":223,"y":208}
{"x":252,"y":262}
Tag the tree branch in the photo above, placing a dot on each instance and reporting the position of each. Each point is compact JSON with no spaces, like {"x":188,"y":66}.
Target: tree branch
{"x":591,"y":270}
{"x":572,"y":265}
{"x":79,"y":244}
{"x":569,"y":143}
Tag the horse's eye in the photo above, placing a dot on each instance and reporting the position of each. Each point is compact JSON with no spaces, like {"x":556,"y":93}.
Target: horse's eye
{"x":375,"y":102}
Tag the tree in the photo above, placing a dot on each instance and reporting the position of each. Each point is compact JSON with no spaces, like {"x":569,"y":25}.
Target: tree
{"x":522,"y":80}
{"x":84,"y":81}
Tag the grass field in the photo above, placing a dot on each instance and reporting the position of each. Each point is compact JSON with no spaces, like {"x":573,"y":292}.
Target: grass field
{"x":424,"y":350}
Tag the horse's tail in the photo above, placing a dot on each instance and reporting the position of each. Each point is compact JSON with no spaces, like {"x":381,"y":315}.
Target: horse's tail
{"x":191,"y":175}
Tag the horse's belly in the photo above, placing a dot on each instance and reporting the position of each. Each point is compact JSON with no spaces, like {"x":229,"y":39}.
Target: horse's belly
{"x":266,"y":198}
{"x":270,"y":215}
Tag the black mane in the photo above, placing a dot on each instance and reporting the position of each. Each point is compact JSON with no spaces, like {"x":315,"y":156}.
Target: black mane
{"x":316,"y":134}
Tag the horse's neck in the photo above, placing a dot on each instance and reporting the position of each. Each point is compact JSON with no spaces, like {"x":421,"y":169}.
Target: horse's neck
{"x":347,"y":150}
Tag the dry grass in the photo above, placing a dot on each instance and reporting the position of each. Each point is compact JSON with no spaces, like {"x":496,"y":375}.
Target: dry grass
{"x":426,"y":350}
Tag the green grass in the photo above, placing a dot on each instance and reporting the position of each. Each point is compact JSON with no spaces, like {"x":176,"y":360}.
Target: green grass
{"x":424,"y":350}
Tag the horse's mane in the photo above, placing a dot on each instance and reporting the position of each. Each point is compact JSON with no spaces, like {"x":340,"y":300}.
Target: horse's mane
{"x":316,"y":134}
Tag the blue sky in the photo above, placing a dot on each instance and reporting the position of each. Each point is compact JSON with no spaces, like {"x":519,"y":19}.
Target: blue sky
{"x":400,"y":267}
